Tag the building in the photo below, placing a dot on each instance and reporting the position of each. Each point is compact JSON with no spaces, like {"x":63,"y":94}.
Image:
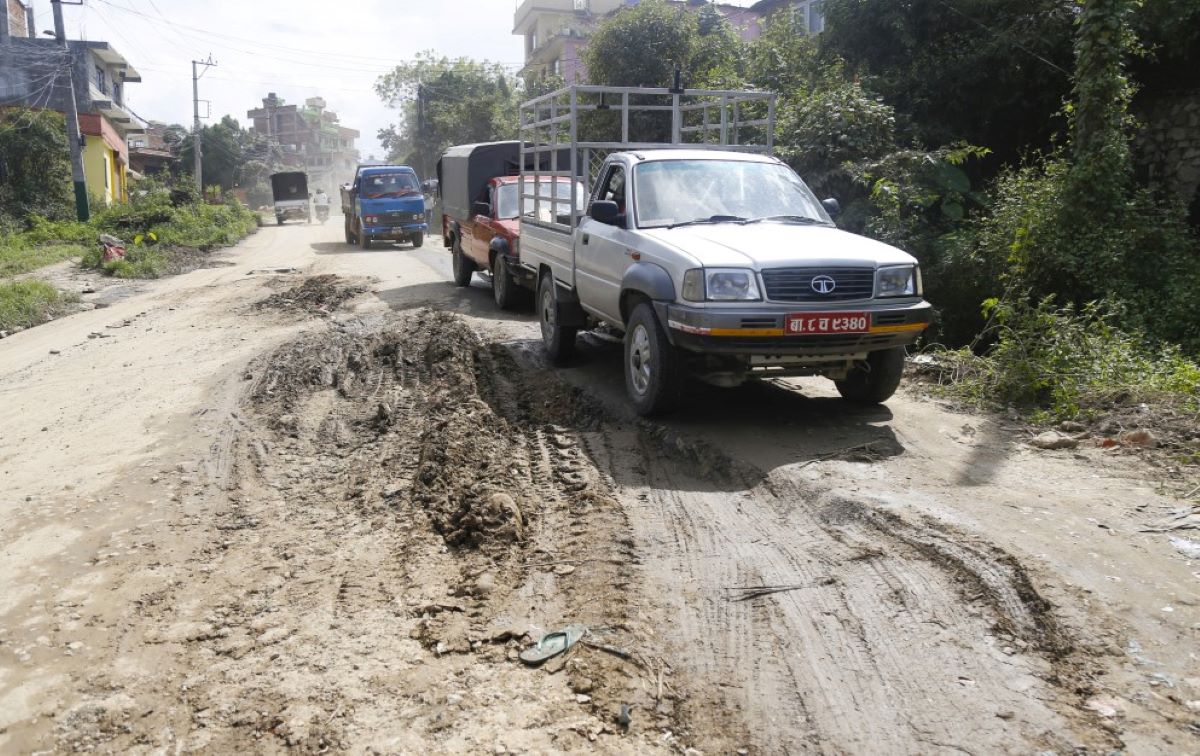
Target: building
{"x":556,"y":31}
{"x":34,"y":73}
{"x":311,"y":138}
{"x":149,"y":153}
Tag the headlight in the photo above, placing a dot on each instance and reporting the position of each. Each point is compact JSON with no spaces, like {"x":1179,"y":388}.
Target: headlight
{"x":720,"y":285}
{"x":898,"y":281}
{"x":371,"y":220}
{"x":419,"y":217}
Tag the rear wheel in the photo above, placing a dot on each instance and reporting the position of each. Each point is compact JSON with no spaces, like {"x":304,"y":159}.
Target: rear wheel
{"x":504,"y":289}
{"x":278,"y":220}
{"x":364,"y":241}
{"x":558,"y":340}
{"x":875,"y":381}
{"x":463,"y":268}
{"x":349,"y":233}
{"x":653,"y":369}
{"x":418,"y":240}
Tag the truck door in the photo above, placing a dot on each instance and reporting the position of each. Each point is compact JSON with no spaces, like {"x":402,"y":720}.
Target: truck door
{"x":480,"y":237}
{"x":604,"y":252}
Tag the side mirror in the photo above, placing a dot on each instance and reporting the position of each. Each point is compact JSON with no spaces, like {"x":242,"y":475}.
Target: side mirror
{"x":832,"y":206}
{"x":605,"y":211}
{"x":481,"y":208}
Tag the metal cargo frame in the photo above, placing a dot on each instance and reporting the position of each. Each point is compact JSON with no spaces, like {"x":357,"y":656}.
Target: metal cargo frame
{"x":699,"y":118}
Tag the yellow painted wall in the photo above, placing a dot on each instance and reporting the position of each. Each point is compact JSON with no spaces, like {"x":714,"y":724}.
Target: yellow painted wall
{"x":115,"y":189}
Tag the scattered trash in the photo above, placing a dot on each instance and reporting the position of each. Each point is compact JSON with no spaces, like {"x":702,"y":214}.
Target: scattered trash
{"x":1189,"y":549}
{"x":1054,"y":440}
{"x":625,"y":716}
{"x":114,"y":248}
{"x":553,"y":644}
{"x":1141,"y":438}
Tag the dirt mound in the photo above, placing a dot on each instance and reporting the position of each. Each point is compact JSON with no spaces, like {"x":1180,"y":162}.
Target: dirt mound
{"x":318,"y":295}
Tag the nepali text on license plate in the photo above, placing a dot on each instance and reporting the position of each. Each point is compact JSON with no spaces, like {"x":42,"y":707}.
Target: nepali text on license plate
{"x":804,"y":323}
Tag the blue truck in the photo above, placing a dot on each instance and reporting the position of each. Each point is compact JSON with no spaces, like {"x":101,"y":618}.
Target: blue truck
{"x":384,"y":203}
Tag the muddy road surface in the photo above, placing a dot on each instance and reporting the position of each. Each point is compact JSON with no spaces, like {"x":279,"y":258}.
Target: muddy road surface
{"x":319,"y":499}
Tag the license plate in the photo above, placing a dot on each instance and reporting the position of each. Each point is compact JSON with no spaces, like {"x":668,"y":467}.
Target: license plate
{"x":807,"y":323}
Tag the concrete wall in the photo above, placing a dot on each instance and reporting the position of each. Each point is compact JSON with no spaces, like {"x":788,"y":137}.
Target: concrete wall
{"x":1168,"y":146}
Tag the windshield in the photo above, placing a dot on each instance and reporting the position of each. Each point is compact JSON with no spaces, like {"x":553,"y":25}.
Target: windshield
{"x":380,"y":185}
{"x":671,"y":192}
{"x":506,"y":198}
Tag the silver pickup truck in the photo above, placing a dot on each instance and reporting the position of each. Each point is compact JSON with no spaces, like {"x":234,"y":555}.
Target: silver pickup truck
{"x":723,"y":265}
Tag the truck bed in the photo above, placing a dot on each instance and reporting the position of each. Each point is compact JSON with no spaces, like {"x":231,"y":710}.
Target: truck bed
{"x":550,"y":246}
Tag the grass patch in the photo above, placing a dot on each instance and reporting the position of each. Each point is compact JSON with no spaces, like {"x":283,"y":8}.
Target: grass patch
{"x":162,"y":238}
{"x":16,"y":259}
{"x":24,"y":304}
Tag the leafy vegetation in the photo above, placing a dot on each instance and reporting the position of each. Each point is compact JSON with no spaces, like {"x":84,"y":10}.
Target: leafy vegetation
{"x":442,"y":102}
{"x":234,"y":157}
{"x":24,"y":304}
{"x":35,"y":169}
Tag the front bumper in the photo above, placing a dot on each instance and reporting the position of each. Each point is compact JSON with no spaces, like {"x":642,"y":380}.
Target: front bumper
{"x":756,"y":331}
{"x":398,"y":233}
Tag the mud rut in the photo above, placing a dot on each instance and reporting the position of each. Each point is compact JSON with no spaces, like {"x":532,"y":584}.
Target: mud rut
{"x":404,"y":513}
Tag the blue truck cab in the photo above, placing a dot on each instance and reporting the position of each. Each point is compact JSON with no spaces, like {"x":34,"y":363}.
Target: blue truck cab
{"x":384,"y":202}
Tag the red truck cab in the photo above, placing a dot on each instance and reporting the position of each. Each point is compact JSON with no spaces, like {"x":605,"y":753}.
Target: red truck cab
{"x":480,"y":195}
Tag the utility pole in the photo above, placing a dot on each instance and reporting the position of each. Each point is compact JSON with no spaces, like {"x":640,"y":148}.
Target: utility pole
{"x":197,"y":141}
{"x":74,"y":138}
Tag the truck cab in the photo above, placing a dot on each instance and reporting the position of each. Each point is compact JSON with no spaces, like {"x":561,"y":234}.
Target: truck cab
{"x":384,"y":203}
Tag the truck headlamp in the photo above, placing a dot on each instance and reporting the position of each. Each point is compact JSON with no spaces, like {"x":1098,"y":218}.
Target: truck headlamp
{"x":371,"y":220}
{"x":720,"y":285}
{"x":419,"y":217}
{"x":898,"y":281}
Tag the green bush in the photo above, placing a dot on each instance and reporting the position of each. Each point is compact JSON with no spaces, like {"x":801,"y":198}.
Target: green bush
{"x":1068,"y":362}
{"x":24,"y":304}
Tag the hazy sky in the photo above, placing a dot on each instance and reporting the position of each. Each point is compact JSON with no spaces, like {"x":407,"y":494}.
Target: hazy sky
{"x":296,"y":48}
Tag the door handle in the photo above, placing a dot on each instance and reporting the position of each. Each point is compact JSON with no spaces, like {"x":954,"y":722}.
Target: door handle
{"x":586,"y":237}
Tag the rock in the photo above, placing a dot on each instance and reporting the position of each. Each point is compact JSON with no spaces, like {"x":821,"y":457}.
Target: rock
{"x":485,"y":584}
{"x":564,"y":569}
{"x":1141,"y":438}
{"x":1106,"y":706}
{"x":1054,"y":440}
{"x":55,"y":351}
{"x":1109,"y":427}
{"x":1072,"y":426}
{"x":582,"y":698}
{"x":582,"y":684}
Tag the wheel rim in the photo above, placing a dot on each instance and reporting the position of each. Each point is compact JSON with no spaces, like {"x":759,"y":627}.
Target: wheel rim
{"x":640,"y":359}
{"x":547,"y":315}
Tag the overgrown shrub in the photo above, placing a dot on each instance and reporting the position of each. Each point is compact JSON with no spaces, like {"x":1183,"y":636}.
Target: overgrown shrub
{"x":1068,"y":362}
{"x":35,"y":167}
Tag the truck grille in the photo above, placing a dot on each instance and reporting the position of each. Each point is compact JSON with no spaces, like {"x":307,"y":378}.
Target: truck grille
{"x":796,"y":284}
{"x":398,"y":217}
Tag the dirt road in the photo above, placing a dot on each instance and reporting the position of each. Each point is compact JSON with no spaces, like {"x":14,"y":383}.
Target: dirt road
{"x":318,"y":498}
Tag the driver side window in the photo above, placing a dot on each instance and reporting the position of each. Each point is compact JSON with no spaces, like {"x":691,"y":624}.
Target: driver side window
{"x":613,"y":190}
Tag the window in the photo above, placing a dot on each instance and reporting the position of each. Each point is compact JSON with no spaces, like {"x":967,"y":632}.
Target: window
{"x":101,"y":82}
{"x":117,"y":93}
{"x":107,"y":172}
{"x":816,"y":16}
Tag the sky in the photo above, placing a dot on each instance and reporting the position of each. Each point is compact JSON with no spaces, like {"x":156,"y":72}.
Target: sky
{"x":295,"y":48}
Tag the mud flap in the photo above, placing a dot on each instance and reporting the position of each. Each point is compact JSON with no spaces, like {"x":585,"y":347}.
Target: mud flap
{"x":570,"y":312}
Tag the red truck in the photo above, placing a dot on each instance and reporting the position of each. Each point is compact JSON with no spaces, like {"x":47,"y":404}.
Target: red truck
{"x":481,"y":210}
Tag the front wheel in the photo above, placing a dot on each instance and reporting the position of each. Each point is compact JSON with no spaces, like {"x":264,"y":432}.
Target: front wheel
{"x":463,"y":268}
{"x":653,"y":369}
{"x":504,"y":289}
{"x":876,"y":380}
{"x":558,"y":340}
{"x":418,"y":240}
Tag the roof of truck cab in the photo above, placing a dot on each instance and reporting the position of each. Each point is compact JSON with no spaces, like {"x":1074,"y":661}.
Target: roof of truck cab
{"x":686,"y":154}
{"x":465,"y":150}
{"x":389,"y":168}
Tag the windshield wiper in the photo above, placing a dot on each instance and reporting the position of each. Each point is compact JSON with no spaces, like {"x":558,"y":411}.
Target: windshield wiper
{"x":710,"y":219}
{"x":803,"y":219}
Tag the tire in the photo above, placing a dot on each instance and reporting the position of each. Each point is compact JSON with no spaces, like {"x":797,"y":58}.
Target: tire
{"x":463,"y":268}
{"x":364,"y":241}
{"x":278,"y":220}
{"x":504,"y":289}
{"x":349,"y":234}
{"x":418,"y":240}
{"x":653,"y":368}
{"x":558,"y":340}
{"x":875,"y":382}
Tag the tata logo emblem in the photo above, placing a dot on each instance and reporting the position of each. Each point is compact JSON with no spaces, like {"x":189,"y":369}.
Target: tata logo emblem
{"x":823,"y":284}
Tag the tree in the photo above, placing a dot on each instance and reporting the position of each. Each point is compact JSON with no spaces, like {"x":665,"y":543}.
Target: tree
{"x":989,"y":72}
{"x":35,"y":166}
{"x":232,"y":156}
{"x":443,"y":102}
{"x":641,"y":45}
